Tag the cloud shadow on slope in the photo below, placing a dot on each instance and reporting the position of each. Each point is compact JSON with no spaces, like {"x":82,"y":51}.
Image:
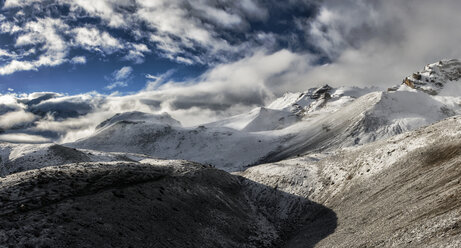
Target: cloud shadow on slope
{"x":308,"y":222}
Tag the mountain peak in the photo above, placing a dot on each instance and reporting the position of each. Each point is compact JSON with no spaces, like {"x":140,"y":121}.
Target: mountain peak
{"x":314,"y":99}
{"x":299,"y":101}
{"x":434,"y":76}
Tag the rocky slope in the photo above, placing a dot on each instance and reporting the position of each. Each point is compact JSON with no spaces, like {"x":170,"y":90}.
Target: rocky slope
{"x":401,"y":192}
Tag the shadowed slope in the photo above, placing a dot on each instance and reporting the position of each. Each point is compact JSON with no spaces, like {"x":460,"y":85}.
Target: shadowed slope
{"x":162,"y":204}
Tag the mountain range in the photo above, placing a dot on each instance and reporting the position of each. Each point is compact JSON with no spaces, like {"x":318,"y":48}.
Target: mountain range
{"x":327,"y":167}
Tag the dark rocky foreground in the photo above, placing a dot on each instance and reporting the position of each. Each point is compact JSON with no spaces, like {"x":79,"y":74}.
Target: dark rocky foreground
{"x":163,"y":204}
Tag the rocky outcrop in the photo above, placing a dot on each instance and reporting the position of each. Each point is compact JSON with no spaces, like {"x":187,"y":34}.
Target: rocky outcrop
{"x":434,"y":76}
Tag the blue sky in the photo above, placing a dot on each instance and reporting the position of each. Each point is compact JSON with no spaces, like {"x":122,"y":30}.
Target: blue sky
{"x":95,"y":75}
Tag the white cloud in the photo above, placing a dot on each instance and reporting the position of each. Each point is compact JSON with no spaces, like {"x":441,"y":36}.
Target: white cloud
{"x":203,"y":32}
{"x":219,"y":16}
{"x":137,"y":53}
{"x":96,"y":40}
{"x":116,"y":85}
{"x":78,"y":60}
{"x":105,"y":9}
{"x":9,"y":99}
{"x":15,"y":66}
{"x":5,"y":53}
{"x":12,"y":119}
{"x":124,"y":73}
{"x":253,"y":9}
{"x":10,"y":89}
{"x":18,"y":3}
{"x":186,"y":60}
{"x":175,"y":25}
{"x":24,"y":138}
{"x":155,"y":81}
{"x":120,"y":78}
{"x":9,"y":27}
{"x":45,"y":34}
{"x":226,"y":89}
{"x":41,"y":95}
{"x":367,"y":43}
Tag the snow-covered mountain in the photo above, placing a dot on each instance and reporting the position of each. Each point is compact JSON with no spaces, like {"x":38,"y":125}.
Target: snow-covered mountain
{"x":223,"y":147}
{"x":372,"y":117}
{"x":320,"y":119}
{"x":259,"y":119}
{"x":136,"y":117}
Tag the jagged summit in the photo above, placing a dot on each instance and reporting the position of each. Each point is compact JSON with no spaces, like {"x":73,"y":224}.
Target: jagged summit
{"x":435,"y":76}
{"x":302,"y":100}
{"x":324,"y":99}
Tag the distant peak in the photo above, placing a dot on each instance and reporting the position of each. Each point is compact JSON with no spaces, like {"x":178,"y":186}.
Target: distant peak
{"x":322,"y":92}
{"x":136,"y":116}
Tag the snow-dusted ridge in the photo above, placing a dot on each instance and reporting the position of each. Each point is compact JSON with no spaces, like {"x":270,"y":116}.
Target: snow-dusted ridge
{"x":16,"y":158}
{"x":391,"y":193}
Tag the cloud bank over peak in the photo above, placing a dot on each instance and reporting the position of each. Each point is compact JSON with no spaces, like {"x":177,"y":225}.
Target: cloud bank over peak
{"x":225,"y":90}
{"x":377,"y":42}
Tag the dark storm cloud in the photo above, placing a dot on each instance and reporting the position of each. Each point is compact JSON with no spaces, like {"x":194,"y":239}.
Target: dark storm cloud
{"x":61,"y":109}
{"x":6,"y":108}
